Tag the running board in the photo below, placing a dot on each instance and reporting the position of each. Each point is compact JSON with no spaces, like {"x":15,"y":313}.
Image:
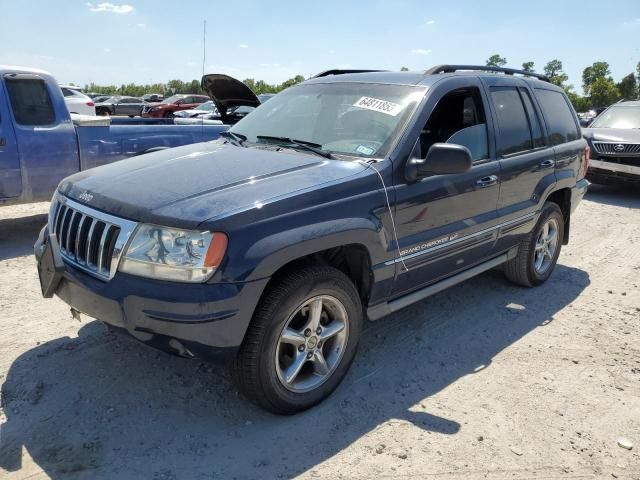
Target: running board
{"x":378,"y":311}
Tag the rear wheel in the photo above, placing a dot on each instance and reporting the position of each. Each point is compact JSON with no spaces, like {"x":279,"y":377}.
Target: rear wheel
{"x":539,"y":251}
{"x":301,"y":340}
{"x":168,"y":115}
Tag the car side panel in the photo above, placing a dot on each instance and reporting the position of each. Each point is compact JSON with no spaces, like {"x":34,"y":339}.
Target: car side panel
{"x":527,"y":178}
{"x":10,"y":171}
{"x":263,"y":240}
{"x":444,"y":222}
{"x":101,"y":145}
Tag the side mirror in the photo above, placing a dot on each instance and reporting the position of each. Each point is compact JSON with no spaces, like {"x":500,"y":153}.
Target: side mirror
{"x":442,"y":159}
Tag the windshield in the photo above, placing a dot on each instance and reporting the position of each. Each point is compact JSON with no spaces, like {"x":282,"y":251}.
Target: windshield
{"x":620,"y":116}
{"x":208,"y":106}
{"x":358,"y":119}
{"x":173,"y":99}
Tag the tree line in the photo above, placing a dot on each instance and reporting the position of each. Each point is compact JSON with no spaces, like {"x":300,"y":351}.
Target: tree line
{"x":598,"y":86}
{"x":179,"y":86}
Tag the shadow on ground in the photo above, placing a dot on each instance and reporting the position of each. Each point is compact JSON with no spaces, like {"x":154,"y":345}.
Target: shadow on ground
{"x":618,"y":195}
{"x":103,"y":406}
{"x":17,"y":235}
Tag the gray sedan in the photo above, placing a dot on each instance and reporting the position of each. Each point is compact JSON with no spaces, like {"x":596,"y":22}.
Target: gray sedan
{"x":120,"y":106}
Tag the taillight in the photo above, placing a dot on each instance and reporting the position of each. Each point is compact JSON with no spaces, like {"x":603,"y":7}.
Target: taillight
{"x":585,"y":163}
{"x":91,"y":104}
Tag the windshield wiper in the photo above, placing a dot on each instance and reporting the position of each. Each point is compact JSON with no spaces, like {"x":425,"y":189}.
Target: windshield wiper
{"x":302,"y":144}
{"x":235,"y":138}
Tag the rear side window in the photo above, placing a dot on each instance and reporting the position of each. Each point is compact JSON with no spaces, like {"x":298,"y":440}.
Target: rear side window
{"x":534,"y":120}
{"x":513,"y":124}
{"x":30,"y":101}
{"x":558,"y":116}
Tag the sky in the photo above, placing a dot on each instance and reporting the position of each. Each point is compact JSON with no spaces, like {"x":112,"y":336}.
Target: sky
{"x":146,"y":41}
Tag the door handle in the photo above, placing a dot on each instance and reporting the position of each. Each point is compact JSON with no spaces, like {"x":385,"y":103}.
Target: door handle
{"x":3,"y":141}
{"x":487,"y":181}
{"x":548,"y":164}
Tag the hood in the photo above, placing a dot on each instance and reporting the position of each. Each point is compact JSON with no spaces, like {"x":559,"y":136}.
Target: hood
{"x":623,"y":135}
{"x":188,"y":185}
{"x":227,"y":92}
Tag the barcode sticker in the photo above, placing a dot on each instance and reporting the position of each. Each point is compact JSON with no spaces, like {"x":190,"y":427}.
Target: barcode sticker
{"x":381,"y":106}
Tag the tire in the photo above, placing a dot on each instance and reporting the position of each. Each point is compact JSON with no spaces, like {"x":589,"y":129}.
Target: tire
{"x":525,"y":269}
{"x":266,"y":357}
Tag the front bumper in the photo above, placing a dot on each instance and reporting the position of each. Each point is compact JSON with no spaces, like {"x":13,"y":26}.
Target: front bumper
{"x":613,"y":173}
{"x":205,"y":320}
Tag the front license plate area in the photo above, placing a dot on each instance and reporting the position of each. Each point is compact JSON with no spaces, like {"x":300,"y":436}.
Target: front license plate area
{"x":50,"y":268}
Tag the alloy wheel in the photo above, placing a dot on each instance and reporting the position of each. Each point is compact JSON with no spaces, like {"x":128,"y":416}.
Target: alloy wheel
{"x":312,"y":343}
{"x":546,"y":246}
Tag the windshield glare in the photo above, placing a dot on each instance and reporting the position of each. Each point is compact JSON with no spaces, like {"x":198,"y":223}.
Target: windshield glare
{"x":357,"y":119}
{"x":173,"y":99}
{"x":207,"y":106}
{"x":618,"y":117}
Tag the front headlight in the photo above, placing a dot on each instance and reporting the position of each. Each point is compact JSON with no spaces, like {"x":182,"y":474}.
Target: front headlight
{"x":172,"y":254}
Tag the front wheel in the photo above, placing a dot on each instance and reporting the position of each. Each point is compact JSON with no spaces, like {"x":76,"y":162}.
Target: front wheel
{"x":539,"y":251}
{"x":301,"y":340}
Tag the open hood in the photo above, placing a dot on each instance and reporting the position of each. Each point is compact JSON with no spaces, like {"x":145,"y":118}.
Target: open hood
{"x":227,"y":93}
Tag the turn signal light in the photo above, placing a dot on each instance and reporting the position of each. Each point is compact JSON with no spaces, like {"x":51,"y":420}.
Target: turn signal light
{"x":216,"y":251}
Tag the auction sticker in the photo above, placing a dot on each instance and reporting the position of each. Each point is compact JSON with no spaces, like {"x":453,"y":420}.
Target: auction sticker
{"x":381,"y":106}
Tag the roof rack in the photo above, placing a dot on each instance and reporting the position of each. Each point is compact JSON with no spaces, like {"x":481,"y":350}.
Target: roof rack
{"x":337,"y":71}
{"x":483,"y":68}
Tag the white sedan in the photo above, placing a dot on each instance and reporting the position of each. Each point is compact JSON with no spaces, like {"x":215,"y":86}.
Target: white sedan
{"x":77,"y":102}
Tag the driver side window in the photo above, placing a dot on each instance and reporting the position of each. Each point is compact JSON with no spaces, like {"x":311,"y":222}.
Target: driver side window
{"x":458,"y":118}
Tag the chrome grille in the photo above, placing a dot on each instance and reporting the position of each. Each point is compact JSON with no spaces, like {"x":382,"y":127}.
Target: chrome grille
{"x":609,"y":148}
{"x":91,"y":240}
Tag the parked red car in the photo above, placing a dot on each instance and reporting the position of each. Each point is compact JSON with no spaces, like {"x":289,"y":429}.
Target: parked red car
{"x":172,"y":104}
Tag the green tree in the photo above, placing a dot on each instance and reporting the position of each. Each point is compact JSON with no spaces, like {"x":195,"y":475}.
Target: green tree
{"x":628,"y":87}
{"x":496,"y":60}
{"x":603,"y":92}
{"x":580,"y":104}
{"x":528,"y":67}
{"x":592,"y":73}
{"x":404,"y":69}
{"x":553,"y":70}
{"x":289,"y":83}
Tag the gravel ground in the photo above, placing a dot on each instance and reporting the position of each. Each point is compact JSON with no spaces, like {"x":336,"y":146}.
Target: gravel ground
{"x":485,"y":380}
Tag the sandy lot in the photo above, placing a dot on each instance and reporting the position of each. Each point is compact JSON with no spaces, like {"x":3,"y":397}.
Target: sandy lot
{"x":485,"y":380}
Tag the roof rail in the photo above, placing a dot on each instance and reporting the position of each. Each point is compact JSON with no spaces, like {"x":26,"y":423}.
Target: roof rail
{"x":337,"y":71}
{"x":483,"y":68}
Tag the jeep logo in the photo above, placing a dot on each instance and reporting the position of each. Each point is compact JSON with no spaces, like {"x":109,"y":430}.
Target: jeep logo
{"x":619,"y":147}
{"x":85,"y":196}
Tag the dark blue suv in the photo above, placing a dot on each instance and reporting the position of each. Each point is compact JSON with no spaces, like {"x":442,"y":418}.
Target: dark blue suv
{"x":344,"y":198}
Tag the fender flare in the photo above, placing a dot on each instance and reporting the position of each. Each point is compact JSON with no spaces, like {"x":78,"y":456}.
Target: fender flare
{"x":271,"y":253}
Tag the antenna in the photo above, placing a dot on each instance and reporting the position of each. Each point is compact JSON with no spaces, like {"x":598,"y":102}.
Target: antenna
{"x":204,"y":44}
{"x":204,"y":58}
